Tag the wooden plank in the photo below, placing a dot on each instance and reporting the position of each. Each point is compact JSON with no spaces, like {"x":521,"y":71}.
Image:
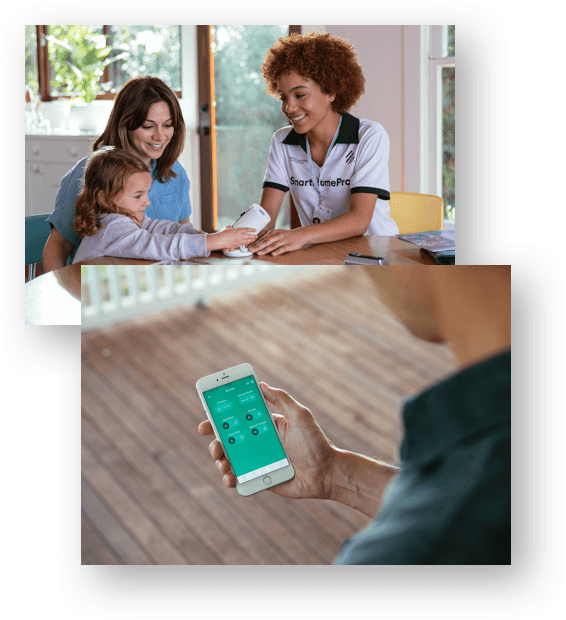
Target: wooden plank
{"x":150,"y":438}
{"x":330,"y":342}
{"x":240,"y":343}
{"x":152,"y":502}
{"x":160,"y":426}
{"x":113,"y":345}
{"x":191,"y":394}
{"x":233,"y":341}
{"x":253,"y":512}
{"x":193,"y":532}
{"x":139,"y":525}
{"x":111,"y":529}
{"x":94,"y":549}
{"x":186,"y":442}
{"x":344,"y":405}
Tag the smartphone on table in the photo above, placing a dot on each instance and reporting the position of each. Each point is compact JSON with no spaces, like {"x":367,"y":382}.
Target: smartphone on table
{"x":354,"y":258}
{"x":235,"y":407}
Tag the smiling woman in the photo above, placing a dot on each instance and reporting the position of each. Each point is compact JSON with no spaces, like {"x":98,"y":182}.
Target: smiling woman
{"x":334,"y":165}
{"x":151,"y":139}
{"x":146,"y":120}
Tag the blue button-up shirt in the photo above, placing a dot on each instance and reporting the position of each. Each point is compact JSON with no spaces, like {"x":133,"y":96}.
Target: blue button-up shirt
{"x":451,"y":503}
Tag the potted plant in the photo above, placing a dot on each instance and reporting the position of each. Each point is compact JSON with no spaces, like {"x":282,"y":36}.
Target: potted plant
{"x":78,"y":57}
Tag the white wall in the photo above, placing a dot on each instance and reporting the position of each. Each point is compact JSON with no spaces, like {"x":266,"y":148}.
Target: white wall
{"x":380,"y":52}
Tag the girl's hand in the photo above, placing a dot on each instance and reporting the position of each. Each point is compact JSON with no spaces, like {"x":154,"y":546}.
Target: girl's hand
{"x":277,"y":242}
{"x":230,"y":238}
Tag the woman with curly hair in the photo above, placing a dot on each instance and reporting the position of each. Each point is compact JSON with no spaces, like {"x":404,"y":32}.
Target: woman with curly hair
{"x":146,"y":120}
{"x":335,"y":165}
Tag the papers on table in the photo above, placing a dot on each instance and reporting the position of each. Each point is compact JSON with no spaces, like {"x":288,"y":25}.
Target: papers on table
{"x":440,"y":244}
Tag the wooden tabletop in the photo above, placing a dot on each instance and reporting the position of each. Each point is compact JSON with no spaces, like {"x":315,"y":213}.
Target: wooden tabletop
{"x":54,"y":298}
{"x":396,"y":251}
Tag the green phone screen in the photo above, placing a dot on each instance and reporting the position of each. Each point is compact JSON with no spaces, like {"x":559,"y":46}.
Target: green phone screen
{"x":245,"y":428}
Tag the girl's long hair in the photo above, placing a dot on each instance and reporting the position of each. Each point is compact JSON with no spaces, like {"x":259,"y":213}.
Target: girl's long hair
{"x":130,"y":111}
{"x":106,"y":173}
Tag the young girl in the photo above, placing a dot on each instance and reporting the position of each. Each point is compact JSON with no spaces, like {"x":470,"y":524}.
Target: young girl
{"x":110,"y":216}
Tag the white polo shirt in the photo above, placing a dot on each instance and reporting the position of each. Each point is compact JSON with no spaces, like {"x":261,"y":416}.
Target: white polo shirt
{"x":358,"y":163}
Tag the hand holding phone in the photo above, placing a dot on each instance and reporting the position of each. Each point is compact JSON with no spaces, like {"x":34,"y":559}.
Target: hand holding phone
{"x":308,"y":448}
{"x":239,"y":417}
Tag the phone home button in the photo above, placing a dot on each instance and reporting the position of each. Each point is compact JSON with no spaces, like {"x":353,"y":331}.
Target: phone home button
{"x":267,"y":480}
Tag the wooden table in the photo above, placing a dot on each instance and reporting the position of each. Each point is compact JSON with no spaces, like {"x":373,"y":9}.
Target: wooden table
{"x":396,"y":251}
{"x":54,"y":298}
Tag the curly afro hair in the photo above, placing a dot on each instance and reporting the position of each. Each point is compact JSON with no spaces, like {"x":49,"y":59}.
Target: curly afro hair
{"x":329,"y":61}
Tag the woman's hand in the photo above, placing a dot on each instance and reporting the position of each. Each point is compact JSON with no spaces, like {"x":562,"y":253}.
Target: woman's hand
{"x":230,"y":238}
{"x":310,"y":451}
{"x":278,"y":241}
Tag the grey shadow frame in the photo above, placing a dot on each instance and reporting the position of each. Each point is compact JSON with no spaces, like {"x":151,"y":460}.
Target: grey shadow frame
{"x":537,"y":395}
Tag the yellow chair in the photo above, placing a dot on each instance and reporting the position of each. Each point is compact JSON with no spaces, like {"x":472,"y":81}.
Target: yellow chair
{"x":416,"y":212}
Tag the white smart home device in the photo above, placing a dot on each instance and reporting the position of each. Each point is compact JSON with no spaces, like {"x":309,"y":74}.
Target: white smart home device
{"x":254,"y":217}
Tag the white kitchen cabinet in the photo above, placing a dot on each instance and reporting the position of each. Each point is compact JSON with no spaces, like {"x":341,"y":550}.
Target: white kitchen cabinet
{"x":48,"y":159}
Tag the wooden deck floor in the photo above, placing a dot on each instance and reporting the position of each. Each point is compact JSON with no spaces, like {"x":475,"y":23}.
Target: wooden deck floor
{"x":151,"y":494}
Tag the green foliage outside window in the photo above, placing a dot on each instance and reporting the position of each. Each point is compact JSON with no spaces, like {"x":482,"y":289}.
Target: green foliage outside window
{"x":77,"y":56}
{"x":449,"y":141}
{"x":451,"y":51}
{"x":239,"y":52}
{"x":151,"y":50}
{"x":246,"y":116}
{"x":449,"y":130}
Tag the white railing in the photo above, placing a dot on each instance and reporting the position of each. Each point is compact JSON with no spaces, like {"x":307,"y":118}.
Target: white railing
{"x":116,"y":293}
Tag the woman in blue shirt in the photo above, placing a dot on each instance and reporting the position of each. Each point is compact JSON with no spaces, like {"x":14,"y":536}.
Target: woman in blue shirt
{"x":146,"y":119}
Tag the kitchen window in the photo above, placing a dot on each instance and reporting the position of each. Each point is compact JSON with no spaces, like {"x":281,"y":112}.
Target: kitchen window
{"x":93,"y":62}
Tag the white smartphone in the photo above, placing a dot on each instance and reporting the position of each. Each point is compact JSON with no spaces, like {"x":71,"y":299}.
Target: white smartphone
{"x":243,"y":425}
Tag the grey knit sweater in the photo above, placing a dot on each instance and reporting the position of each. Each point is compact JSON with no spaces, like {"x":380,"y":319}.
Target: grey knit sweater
{"x":154,"y":240}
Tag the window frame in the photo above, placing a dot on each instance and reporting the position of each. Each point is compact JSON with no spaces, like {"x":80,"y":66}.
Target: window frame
{"x":423,"y":61}
{"x":207,"y":132}
{"x":437,"y":39}
{"x":43,"y":69}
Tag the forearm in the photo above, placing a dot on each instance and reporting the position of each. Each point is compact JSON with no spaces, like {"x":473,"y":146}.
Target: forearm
{"x":341,"y":227}
{"x":56,"y":252}
{"x":122,"y":238}
{"x":213,"y":242}
{"x":53,"y":258}
{"x":360,"y":482}
{"x":271,"y":201}
{"x":166,"y":227}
